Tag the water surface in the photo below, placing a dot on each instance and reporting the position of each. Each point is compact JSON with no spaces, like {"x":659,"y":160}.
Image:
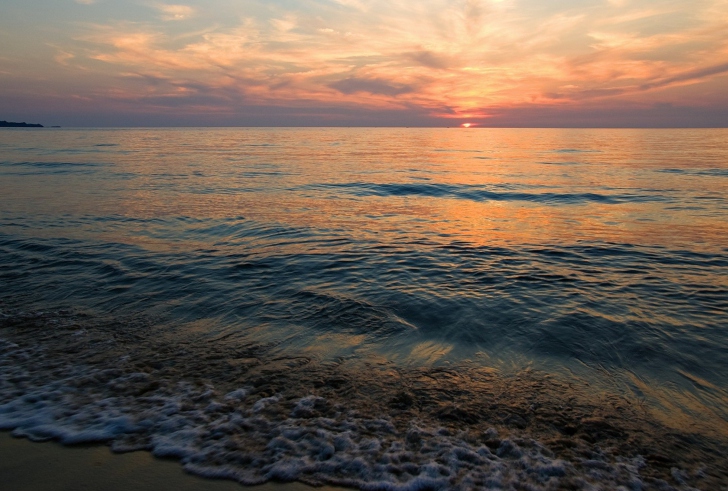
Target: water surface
{"x":590,"y":255}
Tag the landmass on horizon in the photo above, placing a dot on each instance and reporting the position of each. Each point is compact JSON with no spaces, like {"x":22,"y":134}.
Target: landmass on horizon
{"x":10,"y":124}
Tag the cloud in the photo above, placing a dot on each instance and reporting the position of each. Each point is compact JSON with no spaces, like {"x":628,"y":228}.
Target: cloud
{"x":689,"y":76}
{"x":431,"y":60}
{"x":372,"y":86}
{"x":175,"y":12}
{"x":63,"y":57}
{"x":354,"y":4}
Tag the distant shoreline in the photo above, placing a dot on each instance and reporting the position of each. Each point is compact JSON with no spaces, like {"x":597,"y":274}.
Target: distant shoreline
{"x":9,"y":124}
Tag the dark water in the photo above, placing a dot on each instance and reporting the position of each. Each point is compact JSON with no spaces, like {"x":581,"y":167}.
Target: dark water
{"x":592,"y":255}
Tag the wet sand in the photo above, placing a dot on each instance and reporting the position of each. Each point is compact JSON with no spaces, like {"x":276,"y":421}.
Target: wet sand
{"x":25,"y":465}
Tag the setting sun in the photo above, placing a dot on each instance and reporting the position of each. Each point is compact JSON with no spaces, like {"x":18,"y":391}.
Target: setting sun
{"x":466,"y":125}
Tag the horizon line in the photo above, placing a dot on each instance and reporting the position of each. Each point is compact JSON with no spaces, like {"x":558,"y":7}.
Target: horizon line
{"x":474,"y":127}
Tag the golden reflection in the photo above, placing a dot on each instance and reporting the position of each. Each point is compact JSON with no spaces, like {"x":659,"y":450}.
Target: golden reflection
{"x":680,"y":408}
{"x":332,"y":345}
{"x":483,"y":187}
{"x":429,"y":352}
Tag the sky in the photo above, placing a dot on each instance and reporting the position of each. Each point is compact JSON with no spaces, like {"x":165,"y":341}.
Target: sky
{"x":513,"y":63}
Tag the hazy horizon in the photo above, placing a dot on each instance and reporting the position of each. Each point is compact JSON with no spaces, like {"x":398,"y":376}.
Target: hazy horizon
{"x":354,"y":126}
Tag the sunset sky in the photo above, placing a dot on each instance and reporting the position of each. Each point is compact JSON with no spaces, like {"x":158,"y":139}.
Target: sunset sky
{"x":359,"y":62}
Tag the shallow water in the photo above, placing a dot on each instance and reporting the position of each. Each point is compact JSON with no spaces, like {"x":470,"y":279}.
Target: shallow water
{"x":593,"y":256}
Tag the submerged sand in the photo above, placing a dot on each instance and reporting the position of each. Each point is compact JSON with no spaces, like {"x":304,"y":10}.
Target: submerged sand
{"x":29,"y":466}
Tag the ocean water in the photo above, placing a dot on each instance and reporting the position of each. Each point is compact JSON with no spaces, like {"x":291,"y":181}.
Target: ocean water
{"x":375,"y":308}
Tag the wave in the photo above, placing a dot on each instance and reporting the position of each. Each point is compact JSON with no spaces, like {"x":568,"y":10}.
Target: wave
{"x":598,"y":303}
{"x":575,"y":150}
{"x":697,"y":172}
{"x":481,"y":193}
{"x":40,"y":168}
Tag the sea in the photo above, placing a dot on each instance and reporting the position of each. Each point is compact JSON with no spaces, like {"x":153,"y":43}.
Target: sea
{"x":373,"y":308}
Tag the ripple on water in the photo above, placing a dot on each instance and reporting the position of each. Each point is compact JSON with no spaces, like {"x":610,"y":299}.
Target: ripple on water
{"x":481,"y":193}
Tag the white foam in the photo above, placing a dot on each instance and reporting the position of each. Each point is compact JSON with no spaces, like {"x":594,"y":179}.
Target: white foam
{"x":262,"y":403}
{"x":236,"y":436}
{"x":237,"y":395}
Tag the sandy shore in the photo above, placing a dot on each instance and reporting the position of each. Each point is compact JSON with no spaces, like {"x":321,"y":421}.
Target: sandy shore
{"x":25,"y":465}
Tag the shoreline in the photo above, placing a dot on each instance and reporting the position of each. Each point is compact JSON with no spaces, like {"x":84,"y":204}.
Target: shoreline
{"x":234,"y":411}
{"x":50,"y":466}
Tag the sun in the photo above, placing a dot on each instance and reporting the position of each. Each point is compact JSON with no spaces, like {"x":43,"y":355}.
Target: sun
{"x":466,"y":125}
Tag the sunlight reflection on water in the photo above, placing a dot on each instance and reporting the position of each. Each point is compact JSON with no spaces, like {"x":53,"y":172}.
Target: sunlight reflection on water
{"x":600,"y":252}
